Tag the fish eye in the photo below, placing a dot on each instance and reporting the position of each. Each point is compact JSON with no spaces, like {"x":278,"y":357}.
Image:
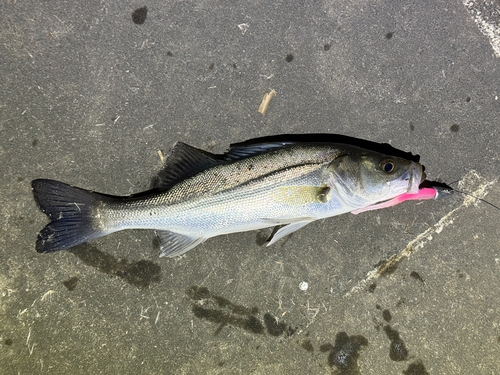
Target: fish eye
{"x":388,"y":166}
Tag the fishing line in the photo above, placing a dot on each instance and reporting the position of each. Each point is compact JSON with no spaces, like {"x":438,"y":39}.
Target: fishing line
{"x":472,"y":196}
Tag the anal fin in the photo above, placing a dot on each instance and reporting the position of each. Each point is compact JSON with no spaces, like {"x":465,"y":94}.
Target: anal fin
{"x":175,"y":244}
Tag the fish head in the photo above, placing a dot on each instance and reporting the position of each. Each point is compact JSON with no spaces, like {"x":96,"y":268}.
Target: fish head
{"x":364,"y":177}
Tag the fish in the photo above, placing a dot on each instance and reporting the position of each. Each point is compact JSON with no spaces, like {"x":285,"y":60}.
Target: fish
{"x":198,"y":195}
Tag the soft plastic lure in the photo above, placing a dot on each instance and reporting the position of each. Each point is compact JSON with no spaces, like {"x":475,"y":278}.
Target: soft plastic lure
{"x":434,"y":192}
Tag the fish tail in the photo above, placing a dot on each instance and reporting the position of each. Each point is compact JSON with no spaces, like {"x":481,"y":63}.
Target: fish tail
{"x":71,"y":211}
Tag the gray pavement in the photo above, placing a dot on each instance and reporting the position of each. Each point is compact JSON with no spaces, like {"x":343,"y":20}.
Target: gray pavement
{"x":91,"y":91}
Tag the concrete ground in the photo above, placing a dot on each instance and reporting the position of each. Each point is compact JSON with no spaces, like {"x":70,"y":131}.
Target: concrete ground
{"x":91,"y":91}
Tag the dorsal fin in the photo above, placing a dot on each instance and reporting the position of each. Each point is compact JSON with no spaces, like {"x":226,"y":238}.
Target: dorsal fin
{"x":184,"y":162}
{"x":245,"y":149}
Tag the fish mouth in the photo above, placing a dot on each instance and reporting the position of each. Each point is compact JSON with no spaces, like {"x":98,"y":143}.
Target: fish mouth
{"x":417,"y":176}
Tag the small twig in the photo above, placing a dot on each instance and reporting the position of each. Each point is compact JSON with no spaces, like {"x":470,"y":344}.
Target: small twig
{"x":265,"y":101}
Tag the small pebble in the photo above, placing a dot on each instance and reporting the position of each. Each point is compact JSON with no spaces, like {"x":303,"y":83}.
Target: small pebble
{"x":303,"y":285}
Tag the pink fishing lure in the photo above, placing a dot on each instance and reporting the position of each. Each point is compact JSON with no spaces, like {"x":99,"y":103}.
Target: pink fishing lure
{"x":435,"y":192}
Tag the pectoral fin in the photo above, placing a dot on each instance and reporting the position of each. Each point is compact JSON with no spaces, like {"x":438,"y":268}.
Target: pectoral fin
{"x":299,"y":195}
{"x":288,"y":229}
{"x":175,"y":244}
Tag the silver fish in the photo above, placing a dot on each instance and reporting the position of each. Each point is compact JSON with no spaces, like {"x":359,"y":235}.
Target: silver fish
{"x":200,"y":195}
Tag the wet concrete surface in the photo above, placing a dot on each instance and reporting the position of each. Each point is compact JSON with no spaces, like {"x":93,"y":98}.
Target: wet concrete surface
{"x":92,"y":91}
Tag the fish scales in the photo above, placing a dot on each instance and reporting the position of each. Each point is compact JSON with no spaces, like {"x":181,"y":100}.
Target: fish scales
{"x":229,"y":175}
{"x":250,"y":188}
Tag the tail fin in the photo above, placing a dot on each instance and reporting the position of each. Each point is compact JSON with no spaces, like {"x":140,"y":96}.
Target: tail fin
{"x":70,"y":211}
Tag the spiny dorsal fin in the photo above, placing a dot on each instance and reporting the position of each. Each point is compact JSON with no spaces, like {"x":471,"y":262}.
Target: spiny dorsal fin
{"x":184,"y":162}
{"x":244,"y":149}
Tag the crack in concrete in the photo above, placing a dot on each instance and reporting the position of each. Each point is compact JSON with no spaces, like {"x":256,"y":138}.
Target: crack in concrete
{"x":470,"y":180}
